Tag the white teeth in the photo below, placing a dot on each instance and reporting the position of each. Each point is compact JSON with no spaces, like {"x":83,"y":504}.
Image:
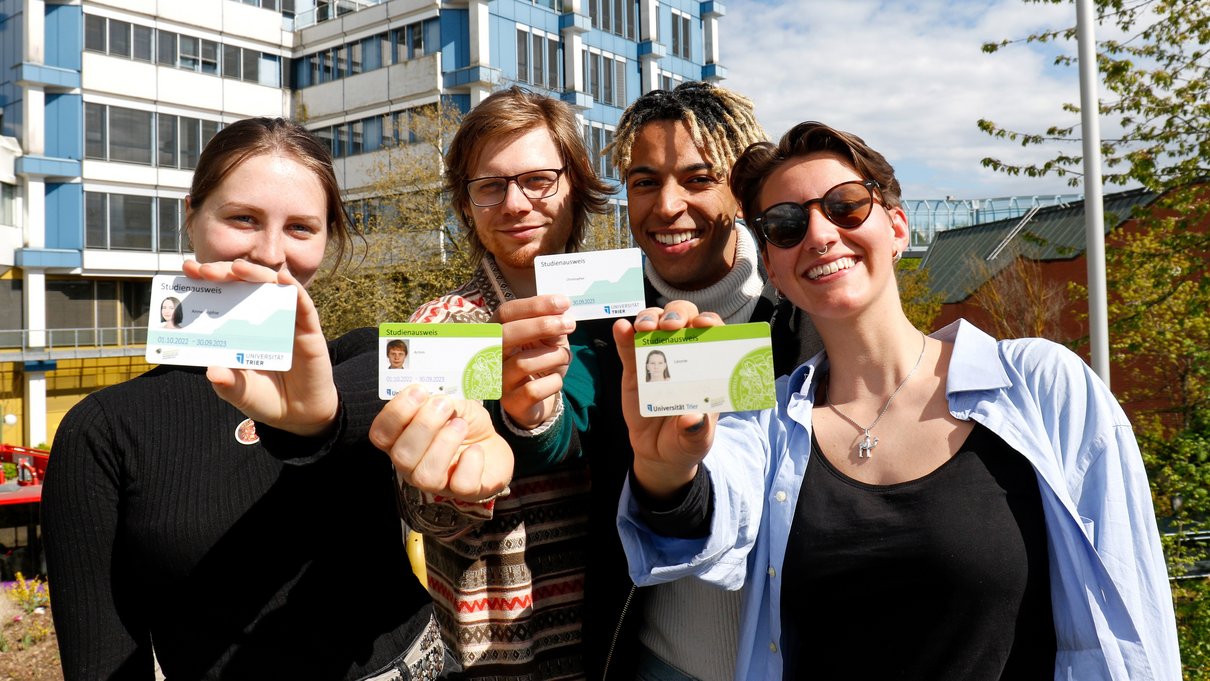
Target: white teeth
{"x":830,"y":268}
{"x":674,"y":238}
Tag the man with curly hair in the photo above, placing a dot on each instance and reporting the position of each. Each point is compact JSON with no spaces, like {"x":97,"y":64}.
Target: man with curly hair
{"x":675,"y":149}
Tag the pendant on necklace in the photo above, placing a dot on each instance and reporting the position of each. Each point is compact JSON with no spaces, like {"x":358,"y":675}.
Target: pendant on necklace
{"x":867,"y":445}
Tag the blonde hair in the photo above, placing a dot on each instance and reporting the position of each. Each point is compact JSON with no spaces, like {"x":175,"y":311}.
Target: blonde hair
{"x":721,"y":122}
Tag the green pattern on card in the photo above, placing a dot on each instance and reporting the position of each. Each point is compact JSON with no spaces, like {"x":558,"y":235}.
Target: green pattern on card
{"x":481,"y":379}
{"x":751,"y":385}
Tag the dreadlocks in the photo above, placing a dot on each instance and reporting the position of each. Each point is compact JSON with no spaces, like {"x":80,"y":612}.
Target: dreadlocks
{"x":721,"y":122}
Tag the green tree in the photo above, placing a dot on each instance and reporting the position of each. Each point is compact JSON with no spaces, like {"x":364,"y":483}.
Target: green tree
{"x":412,"y":249}
{"x":919,"y":302}
{"x":1155,"y":72}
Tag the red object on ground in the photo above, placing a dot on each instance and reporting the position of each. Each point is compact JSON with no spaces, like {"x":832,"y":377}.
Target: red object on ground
{"x":31,"y":469}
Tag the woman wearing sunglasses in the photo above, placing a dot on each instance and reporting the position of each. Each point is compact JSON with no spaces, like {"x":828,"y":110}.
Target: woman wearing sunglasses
{"x":915,"y":507}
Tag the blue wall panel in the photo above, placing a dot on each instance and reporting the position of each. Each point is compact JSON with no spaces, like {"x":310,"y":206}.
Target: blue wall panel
{"x":64,"y":36}
{"x":64,"y":215}
{"x":455,"y":36}
{"x":65,"y":126}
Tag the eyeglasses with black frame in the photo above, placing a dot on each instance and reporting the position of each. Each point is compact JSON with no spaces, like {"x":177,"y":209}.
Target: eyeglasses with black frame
{"x":847,"y":205}
{"x":534,"y":184}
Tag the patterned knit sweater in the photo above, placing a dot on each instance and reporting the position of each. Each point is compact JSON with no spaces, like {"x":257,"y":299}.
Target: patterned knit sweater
{"x":507,"y":577}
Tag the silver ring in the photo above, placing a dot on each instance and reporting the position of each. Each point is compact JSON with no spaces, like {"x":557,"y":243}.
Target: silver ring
{"x":823,"y":250}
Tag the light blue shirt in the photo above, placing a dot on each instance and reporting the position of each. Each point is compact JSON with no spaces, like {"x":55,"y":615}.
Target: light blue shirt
{"x":1109,"y":583}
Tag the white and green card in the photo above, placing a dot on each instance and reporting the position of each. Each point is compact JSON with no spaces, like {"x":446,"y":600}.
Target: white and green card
{"x":461,"y":360}
{"x":239,"y":325}
{"x":723,"y":368}
{"x":600,"y":284}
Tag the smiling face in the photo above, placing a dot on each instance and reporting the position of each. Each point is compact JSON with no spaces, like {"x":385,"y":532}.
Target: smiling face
{"x":271,"y":210}
{"x":858,"y":271}
{"x":519,"y":229}
{"x":682,"y":213}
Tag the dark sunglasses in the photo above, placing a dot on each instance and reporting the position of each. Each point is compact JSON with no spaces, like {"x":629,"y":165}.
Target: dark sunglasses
{"x":846,"y":205}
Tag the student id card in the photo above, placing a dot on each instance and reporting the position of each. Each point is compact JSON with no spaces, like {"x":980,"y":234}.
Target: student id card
{"x":600,"y":284}
{"x":723,"y":368}
{"x":461,"y":360}
{"x":239,"y":325}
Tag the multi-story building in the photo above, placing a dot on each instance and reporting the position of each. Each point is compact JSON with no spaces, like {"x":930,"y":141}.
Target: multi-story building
{"x":111,"y":101}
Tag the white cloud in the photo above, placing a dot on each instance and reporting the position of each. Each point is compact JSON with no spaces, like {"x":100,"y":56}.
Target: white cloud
{"x":911,"y":79}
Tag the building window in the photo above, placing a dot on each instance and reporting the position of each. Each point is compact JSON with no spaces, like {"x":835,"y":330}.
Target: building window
{"x":605,"y":77}
{"x":537,"y":58}
{"x":669,"y":81}
{"x":91,"y":312}
{"x":166,"y":49}
{"x":95,"y":131}
{"x":119,"y":38}
{"x":166,"y":141}
{"x":209,"y":57}
{"x":409,"y":42}
{"x":170,"y":220}
{"x":596,"y":138}
{"x":113,"y":133}
{"x":681,"y":35}
{"x":130,"y":135}
{"x":614,"y":16}
{"x":231,"y":61}
{"x":94,"y":33}
{"x":129,"y":223}
{"x":8,"y":204}
{"x":141,"y":42}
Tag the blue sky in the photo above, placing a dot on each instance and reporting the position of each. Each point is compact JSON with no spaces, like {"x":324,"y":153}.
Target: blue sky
{"x":910,"y":78}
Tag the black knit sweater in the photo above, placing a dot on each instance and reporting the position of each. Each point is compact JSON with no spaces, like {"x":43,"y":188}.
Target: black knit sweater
{"x":280,"y":559}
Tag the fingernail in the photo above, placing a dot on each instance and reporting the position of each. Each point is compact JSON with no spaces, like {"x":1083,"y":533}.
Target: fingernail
{"x":416,"y":395}
{"x":645,"y":318}
{"x":562,"y":302}
{"x":458,"y":424}
{"x":569,"y":322}
{"x":442,"y":405}
{"x":671,"y":316}
{"x":697,"y":426}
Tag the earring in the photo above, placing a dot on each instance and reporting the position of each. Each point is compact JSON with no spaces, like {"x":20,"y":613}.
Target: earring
{"x":823,"y":250}
{"x":895,"y":256}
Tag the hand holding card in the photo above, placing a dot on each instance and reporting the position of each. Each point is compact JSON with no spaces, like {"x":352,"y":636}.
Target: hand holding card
{"x":537,"y":355}
{"x":667,"y":449}
{"x":302,"y":400}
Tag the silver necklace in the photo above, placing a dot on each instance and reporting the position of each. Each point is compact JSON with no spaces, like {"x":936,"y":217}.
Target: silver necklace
{"x":868,"y":443}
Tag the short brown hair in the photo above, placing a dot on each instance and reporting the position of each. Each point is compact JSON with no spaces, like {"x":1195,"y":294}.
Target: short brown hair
{"x":513,"y":112}
{"x":761,"y":159}
{"x":250,"y":137}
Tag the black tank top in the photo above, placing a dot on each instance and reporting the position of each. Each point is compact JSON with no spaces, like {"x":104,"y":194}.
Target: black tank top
{"x":943,"y":577}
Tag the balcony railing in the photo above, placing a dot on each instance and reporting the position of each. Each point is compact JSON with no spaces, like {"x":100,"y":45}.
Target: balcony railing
{"x":24,"y":345}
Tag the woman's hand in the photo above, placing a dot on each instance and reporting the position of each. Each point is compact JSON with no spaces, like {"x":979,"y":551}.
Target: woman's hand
{"x":668,"y":449}
{"x":302,"y":400}
{"x":443,"y":445}
{"x":536,"y":356}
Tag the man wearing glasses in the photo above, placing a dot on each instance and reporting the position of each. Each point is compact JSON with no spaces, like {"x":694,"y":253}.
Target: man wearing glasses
{"x":507,"y":574}
{"x":675,"y":150}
